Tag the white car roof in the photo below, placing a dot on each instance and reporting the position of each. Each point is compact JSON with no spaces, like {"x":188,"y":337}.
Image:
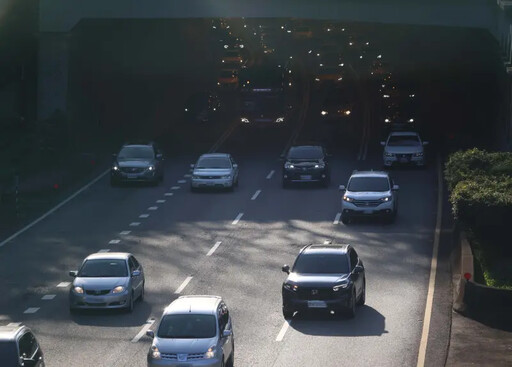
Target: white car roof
{"x":370,"y":174}
{"x":194,"y":304}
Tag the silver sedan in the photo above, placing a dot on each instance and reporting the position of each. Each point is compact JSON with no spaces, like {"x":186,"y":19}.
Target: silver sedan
{"x":215,"y":170}
{"x":107,"y":280}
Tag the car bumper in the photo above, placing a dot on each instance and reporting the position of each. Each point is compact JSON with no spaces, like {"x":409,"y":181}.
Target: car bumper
{"x":211,"y":183}
{"x":80,"y":301}
{"x":146,"y":176}
{"x":293,"y":303}
{"x":305,"y":176}
{"x":415,"y":161}
{"x":385,"y":209}
{"x":213,"y":362}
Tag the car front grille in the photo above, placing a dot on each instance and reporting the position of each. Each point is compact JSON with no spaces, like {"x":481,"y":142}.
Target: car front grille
{"x":312,"y":293}
{"x":404,"y":155}
{"x":132,"y":169}
{"x":210,"y":177}
{"x":101,"y":292}
{"x":366,"y":203}
{"x":190,"y":357}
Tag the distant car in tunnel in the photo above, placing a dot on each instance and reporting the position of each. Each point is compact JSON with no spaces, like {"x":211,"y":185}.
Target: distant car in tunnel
{"x":228,"y":79}
{"x":202,"y":107}
{"x":232,"y":56}
{"x":339,"y":104}
{"x":137,"y":162}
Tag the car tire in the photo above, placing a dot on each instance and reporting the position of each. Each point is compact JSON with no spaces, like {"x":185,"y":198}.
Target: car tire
{"x":130,"y":306}
{"x":222,"y":362}
{"x":141,"y":297}
{"x":362,"y":299}
{"x":236,"y":182}
{"x":351,"y":310}
{"x":286,"y":184}
{"x":326,"y":182}
{"x":231,"y":360}
{"x":345,"y":219}
{"x":391,"y":218}
{"x":288,"y":314}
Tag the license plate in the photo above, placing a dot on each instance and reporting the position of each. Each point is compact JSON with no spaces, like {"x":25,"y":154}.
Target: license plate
{"x":306,"y":177}
{"x":95,"y":300}
{"x":368,"y":211}
{"x":317,"y":304}
{"x":404,"y":160}
{"x":131,"y":176}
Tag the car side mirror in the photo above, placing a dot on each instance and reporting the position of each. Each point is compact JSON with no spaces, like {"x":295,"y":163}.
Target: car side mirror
{"x":150,"y":333}
{"x":235,"y":166}
{"x":136,"y":273}
{"x":226,"y":333}
{"x":383,"y":143}
{"x":342,"y":188}
{"x":73,"y":273}
{"x":358,"y":269}
{"x":396,"y":187}
{"x":425,"y":143}
{"x":286,"y":269}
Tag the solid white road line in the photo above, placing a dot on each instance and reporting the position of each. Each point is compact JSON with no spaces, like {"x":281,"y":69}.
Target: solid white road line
{"x":215,"y":247}
{"x":48,"y":297}
{"x":183,"y":285}
{"x":32,"y":310}
{"x":125,"y":233}
{"x":182,"y":181}
{"x":175,"y":188}
{"x":134,"y":224}
{"x":256,"y":194}
{"x":161,"y":201}
{"x":281,"y":334}
{"x":113,"y":242}
{"x":269,"y":176}
{"x":63,"y":284}
{"x":337,"y":219}
{"x":143,"y":215}
{"x":237,"y":219}
{"x":433,"y":269}
{"x":104,"y":250}
{"x":168,"y":194}
{"x":142,"y":331}
{"x":55,"y":208}
{"x":153,"y":208}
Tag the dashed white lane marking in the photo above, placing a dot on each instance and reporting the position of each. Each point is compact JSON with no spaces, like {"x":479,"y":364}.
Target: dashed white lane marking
{"x":281,"y":334}
{"x":143,"y":215}
{"x":183,"y":285}
{"x":188,"y":175}
{"x":215,"y":247}
{"x":237,"y":219}
{"x":337,"y":218}
{"x":14,"y":324}
{"x":48,"y":297}
{"x":142,"y":331}
{"x":104,"y":250}
{"x":134,"y":224}
{"x":269,"y":176}
{"x":32,"y":310}
{"x":153,"y":208}
{"x":175,"y":188}
{"x":125,"y":233}
{"x":182,"y":181}
{"x":113,"y":242}
{"x":63,"y":284}
{"x":256,"y":194}
{"x":168,"y":194}
{"x":161,"y":201}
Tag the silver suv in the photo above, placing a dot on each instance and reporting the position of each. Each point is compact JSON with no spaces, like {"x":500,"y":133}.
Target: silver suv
{"x":193,"y":331}
{"x":369,"y":193}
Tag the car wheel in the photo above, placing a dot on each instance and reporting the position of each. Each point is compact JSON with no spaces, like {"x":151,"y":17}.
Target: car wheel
{"x":362,"y":298}
{"x":286,"y":184}
{"x":287,"y":314}
{"x":391,"y":218}
{"x":222,"y":362}
{"x":232,"y":187}
{"x":351,"y":311}
{"x":345,"y":219}
{"x":129,"y":308}
{"x":231,"y":360}
{"x":326,"y":182}
{"x":236,"y":182}
{"x":141,"y":297}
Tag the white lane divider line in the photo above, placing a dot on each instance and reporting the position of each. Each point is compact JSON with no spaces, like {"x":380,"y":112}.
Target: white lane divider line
{"x":63,"y":284}
{"x":113,"y":242}
{"x":134,"y":224}
{"x":125,"y":233}
{"x":269,"y":176}
{"x":161,"y":201}
{"x":144,"y":216}
{"x":48,"y":297}
{"x":256,"y":194}
{"x":215,"y":247}
{"x":337,"y":218}
{"x":168,"y":194}
{"x":153,"y":208}
{"x":175,"y":188}
{"x":32,"y":310}
{"x":183,"y":285}
{"x":182,"y":181}
{"x":142,"y":331}
{"x":104,"y":250}
{"x":14,"y":324}
{"x":237,"y":219}
{"x":283,"y":331}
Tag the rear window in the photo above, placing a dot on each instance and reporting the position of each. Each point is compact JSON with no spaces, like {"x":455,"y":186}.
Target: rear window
{"x":188,"y":326}
{"x":306,"y":152}
{"x":8,"y":353}
{"x":373,"y":184}
{"x":321,"y":264}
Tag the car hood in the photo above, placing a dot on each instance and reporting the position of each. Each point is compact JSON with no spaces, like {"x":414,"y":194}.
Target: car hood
{"x":184,"y":345}
{"x":313,"y":280}
{"x":404,"y":149}
{"x":99,"y":283}
{"x":367,"y":195}
{"x":212,"y":171}
{"x":134,"y":162}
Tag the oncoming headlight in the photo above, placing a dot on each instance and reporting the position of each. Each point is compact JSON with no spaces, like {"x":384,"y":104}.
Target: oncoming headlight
{"x":210,"y":353}
{"x":291,"y":287}
{"x":245,"y":120}
{"x":155,"y":353}
{"x":118,"y":289}
{"x":78,"y":290}
{"x":385,"y":199}
{"x":336,"y":288}
{"x":280,"y":119}
{"x":347,"y":199}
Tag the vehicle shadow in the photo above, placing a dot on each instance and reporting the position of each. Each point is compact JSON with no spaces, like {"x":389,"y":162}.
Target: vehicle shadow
{"x":368,"y":322}
{"x":113,"y":317}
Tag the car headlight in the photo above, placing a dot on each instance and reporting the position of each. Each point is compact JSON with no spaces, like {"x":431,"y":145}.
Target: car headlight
{"x":347,"y":112}
{"x":323,"y":113}
{"x":115,"y":168}
{"x":347,"y":199}
{"x":385,"y":96}
{"x":241,"y":46}
{"x":227,"y":177}
{"x":291,"y":287}
{"x":340,"y":79}
{"x":388,"y":154}
{"x":320,"y":165}
{"x":411,"y":120}
{"x":418,"y":154}
{"x":280,"y":119}
{"x":338,"y":287}
{"x":317,"y":79}
{"x":210,"y":353}
{"x":155,"y":353}
{"x":288,"y":165}
{"x":118,"y":289}
{"x":387,"y":120}
{"x":245,"y":120}
{"x":151,"y":168}
{"x":79,"y":290}
{"x":385,"y":199}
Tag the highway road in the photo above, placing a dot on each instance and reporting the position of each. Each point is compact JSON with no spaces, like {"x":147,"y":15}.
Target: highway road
{"x":234,"y":244}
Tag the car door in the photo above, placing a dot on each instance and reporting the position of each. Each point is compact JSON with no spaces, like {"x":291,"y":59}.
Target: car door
{"x":29,"y":349}
{"x":235,"y":169}
{"x":358,"y":279}
{"x":136,"y":280}
{"x":224,"y":324}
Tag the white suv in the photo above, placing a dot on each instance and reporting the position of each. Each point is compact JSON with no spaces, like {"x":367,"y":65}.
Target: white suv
{"x":369,"y":193}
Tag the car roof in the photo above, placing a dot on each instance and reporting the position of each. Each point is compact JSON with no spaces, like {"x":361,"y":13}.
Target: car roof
{"x":403,"y":133}
{"x":109,"y":255}
{"x":214,"y":155}
{"x":326,"y":249}
{"x":197,"y":304}
{"x":149,"y":144}
{"x":10,"y":332}
{"x":369,"y":174}
{"x":306,"y":146}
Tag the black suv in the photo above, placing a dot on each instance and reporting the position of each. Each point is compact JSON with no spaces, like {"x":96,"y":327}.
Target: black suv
{"x":19,"y":347}
{"x":137,"y":162}
{"x":306,"y":163}
{"x":329,"y":277}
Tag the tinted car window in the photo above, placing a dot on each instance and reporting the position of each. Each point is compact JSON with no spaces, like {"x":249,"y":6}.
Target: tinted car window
{"x":353,"y":259}
{"x":137,"y":152}
{"x":368,"y":184}
{"x":9,"y":353}
{"x":187,"y":326}
{"x":321,"y":264}
{"x":28,"y":345}
{"x":104,"y":268}
{"x":306,"y":152}
{"x":214,"y":162}
{"x":401,"y":140}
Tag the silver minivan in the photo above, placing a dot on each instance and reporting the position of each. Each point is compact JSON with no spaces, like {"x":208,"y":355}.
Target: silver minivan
{"x":193,"y":331}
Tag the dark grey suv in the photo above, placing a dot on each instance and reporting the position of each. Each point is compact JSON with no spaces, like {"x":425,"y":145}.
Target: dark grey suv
{"x":19,"y":347}
{"x":137,"y":163}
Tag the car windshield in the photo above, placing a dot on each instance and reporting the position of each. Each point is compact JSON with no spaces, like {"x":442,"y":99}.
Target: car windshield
{"x":306,"y":152}
{"x":403,"y":140}
{"x":187,"y":326}
{"x":136,"y":152}
{"x":329,"y":70}
{"x":103,"y":268}
{"x":213,"y":162}
{"x":8,"y":353}
{"x":321,"y":264}
{"x":370,"y":184}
